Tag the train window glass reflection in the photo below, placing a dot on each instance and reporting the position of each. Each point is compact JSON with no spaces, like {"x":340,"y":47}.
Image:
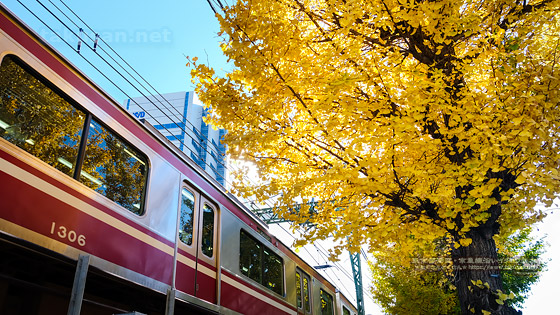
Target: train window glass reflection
{"x":208,"y":231}
{"x":114,"y":168}
{"x":272,"y":271}
{"x":38,"y":119}
{"x":302,"y":291}
{"x":345,"y":311}
{"x":186,"y":219}
{"x":306,"y":294}
{"x":298,"y":290}
{"x":326,"y":303}
{"x":260,"y":263}
{"x":250,"y":257}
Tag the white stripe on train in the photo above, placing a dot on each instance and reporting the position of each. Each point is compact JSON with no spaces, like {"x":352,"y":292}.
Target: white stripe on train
{"x":80,"y":205}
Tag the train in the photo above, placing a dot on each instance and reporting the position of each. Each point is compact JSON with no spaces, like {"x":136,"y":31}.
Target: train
{"x":101,"y":213}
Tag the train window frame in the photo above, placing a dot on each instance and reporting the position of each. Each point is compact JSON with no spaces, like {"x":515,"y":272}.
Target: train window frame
{"x":261,"y":248}
{"x":201,"y":201}
{"x":345,"y":310}
{"x":76,"y":168}
{"x":306,"y":306}
{"x":196,"y":250}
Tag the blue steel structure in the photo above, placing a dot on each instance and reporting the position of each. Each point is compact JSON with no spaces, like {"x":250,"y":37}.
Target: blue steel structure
{"x":357,"y":272}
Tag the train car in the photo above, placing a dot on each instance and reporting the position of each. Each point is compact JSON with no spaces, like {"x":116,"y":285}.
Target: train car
{"x":100,"y":212}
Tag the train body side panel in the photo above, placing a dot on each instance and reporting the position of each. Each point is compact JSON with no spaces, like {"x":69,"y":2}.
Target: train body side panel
{"x":39,"y":204}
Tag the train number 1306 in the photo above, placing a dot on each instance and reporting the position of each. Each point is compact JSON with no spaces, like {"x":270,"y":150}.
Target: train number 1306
{"x":65,"y":233}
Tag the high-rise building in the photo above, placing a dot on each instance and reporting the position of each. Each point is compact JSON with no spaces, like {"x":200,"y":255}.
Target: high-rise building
{"x":179,"y":119}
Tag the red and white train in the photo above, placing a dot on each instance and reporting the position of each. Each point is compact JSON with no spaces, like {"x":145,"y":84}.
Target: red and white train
{"x":79,"y":175}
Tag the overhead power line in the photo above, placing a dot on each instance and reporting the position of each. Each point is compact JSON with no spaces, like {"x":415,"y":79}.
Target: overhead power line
{"x":146,"y":90}
{"x":131,"y":76}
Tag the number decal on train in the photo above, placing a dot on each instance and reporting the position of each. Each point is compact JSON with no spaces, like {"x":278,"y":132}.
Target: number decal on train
{"x":64,"y":233}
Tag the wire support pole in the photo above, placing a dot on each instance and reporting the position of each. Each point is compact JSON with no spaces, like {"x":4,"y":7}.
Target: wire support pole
{"x":357,"y":271}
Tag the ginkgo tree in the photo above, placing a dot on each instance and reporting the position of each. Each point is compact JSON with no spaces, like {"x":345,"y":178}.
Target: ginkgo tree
{"x":411,"y":121}
{"x":427,"y":286}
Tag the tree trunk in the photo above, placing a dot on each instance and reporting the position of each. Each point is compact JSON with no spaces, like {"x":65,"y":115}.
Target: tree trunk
{"x":479,"y":261}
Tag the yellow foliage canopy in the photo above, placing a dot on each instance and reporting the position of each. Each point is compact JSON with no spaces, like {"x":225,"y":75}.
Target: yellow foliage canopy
{"x":411,"y":120}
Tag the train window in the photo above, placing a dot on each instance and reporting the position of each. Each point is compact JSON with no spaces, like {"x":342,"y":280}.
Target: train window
{"x":37,"y":119}
{"x":250,"y":257}
{"x":41,"y":120}
{"x":302,"y":291}
{"x":345,"y":311}
{"x":272,"y":271}
{"x":326,"y":303}
{"x":208,"y":231}
{"x":113,"y":168}
{"x":298,"y":290}
{"x":260,"y":263}
{"x":187,"y":216}
{"x":306,"y":294}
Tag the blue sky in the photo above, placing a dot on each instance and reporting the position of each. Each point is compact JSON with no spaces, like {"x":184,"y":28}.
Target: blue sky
{"x":154,"y":37}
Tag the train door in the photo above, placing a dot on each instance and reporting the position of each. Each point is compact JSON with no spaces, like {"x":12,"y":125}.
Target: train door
{"x":197,"y":257}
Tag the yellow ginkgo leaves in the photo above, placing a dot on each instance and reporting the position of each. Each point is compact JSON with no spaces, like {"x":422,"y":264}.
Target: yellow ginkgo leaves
{"x":438,"y":120}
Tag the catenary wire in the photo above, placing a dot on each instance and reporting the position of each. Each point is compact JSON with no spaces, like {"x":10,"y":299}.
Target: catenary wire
{"x":178,"y":114}
{"x":128,"y":81}
{"x":187,"y":132}
{"x":88,"y":61}
{"x":114,"y":69}
{"x":112,"y":82}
